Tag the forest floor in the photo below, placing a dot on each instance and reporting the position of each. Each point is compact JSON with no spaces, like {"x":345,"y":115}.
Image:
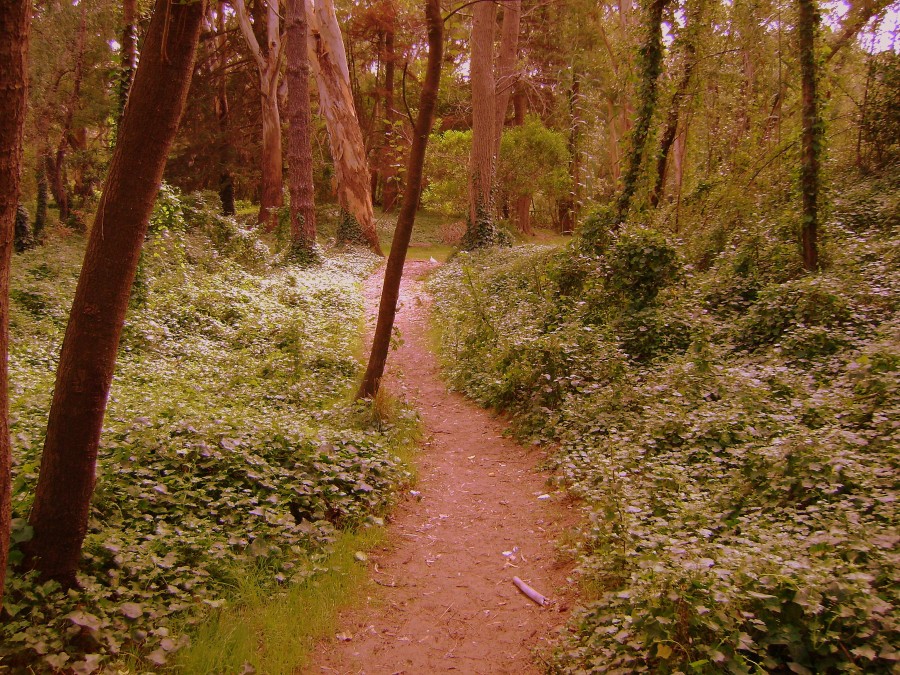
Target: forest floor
{"x":442,"y":597}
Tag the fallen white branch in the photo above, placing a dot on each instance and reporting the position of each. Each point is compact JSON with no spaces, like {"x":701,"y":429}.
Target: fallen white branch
{"x":530,"y":592}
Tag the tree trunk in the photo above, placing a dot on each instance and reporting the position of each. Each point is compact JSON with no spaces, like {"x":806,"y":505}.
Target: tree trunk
{"x":329,"y":63}
{"x":390,"y":154}
{"x":412,"y":190}
{"x":300,"y":173}
{"x":59,"y":514}
{"x":523,"y":202}
{"x":128,"y":52}
{"x":811,"y":137}
{"x":568,"y":208}
{"x":507,"y":74}
{"x":651,"y":66}
{"x":40,"y":211}
{"x":267,"y":64}
{"x":15,"y":16}
{"x":480,"y":230}
{"x":671,"y":128}
{"x":223,"y":115}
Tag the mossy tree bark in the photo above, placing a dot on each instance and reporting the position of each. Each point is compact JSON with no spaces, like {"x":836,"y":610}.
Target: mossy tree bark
{"x":15,"y":17}
{"x":808,"y":19}
{"x":390,"y":153}
{"x":412,"y":190}
{"x":651,"y":54}
{"x":128,"y":53}
{"x":300,"y":173}
{"x":328,"y":60}
{"x":59,"y":514}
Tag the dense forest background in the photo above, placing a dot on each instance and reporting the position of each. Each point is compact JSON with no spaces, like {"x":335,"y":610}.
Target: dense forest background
{"x":707,"y":332}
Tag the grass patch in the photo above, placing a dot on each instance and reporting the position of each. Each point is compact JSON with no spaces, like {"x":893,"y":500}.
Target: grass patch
{"x":276,"y":634}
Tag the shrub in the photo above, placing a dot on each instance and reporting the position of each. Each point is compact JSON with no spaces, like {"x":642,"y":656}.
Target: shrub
{"x":640,"y":264}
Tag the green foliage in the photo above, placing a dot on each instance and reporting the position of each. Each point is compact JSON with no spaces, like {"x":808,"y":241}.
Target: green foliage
{"x":641,"y":263}
{"x":533,"y":159}
{"x":741,"y":513}
{"x":446,"y":166}
{"x":227,"y":444}
{"x":880,"y":123}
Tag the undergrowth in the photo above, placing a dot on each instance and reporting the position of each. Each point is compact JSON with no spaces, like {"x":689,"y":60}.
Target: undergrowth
{"x":230,"y":444}
{"x":730,"y":425}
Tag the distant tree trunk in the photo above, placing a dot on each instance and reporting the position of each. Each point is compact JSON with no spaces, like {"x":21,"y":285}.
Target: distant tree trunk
{"x":128,"y":51}
{"x":480,"y":227}
{"x":40,"y":211}
{"x":268,"y":62}
{"x":15,"y":16}
{"x":329,"y":63}
{"x":568,"y":207}
{"x":59,"y":514}
{"x":223,"y":115}
{"x":507,"y":74}
{"x":390,"y":154}
{"x":808,"y":20}
{"x":650,"y":66}
{"x":412,"y":190}
{"x":300,"y":174}
{"x":523,"y":202}
{"x":59,"y":181}
{"x":671,"y":128}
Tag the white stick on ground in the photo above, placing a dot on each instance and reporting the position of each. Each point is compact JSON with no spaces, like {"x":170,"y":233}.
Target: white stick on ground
{"x":530,"y":592}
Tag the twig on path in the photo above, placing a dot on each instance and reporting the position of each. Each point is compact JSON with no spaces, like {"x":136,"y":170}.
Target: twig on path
{"x":529,"y":592}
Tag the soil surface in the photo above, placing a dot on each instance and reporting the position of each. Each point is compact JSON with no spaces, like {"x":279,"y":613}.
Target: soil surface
{"x":443,"y":598}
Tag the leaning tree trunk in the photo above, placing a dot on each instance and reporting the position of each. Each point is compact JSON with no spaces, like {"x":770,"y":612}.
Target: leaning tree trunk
{"x":808,"y":20}
{"x":329,"y":63}
{"x":300,"y":174}
{"x":59,"y":515}
{"x":15,"y":16}
{"x":412,"y":190}
{"x":480,"y":227}
{"x":651,"y":67}
{"x":268,"y":62}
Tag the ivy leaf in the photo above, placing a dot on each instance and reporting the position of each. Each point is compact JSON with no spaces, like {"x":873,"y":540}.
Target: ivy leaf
{"x":131,"y":610}
{"x":84,"y":619}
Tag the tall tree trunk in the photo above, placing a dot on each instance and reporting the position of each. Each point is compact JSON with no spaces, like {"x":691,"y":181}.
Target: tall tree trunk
{"x":412,"y":190}
{"x":507,"y":74}
{"x":671,"y":128}
{"x":300,"y":173}
{"x":568,"y":207}
{"x":15,"y":17}
{"x":390,"y":154}
{"x":40,"y":211}
{"x":223,"y":115}
{"x":59,"y":514}
{"x":480,"y":228}
{"x":59,"y":181}
{"x":651,"y":66}
{"x":522,"y":202}
{"x":268,"y":61}
{"x":808,"y":20}
{"x":329,"y":63}
{"x":128,"y":51}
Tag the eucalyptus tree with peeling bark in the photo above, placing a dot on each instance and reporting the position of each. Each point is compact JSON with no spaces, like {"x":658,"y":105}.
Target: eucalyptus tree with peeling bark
{"x":329,"y":64}
{"x":268,"y":63}
{"x":15,"y":18}
{"x":412,"y":190}
{"x":59,"y":514}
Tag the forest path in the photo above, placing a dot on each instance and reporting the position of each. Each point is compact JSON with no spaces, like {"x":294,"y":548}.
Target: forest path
{"x":444,"y":599}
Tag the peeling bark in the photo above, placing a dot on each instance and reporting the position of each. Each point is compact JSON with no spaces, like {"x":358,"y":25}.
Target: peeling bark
{"x":329,"y":64}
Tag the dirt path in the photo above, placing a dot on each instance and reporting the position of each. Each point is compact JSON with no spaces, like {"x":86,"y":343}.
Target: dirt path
{"x":445,"y":601}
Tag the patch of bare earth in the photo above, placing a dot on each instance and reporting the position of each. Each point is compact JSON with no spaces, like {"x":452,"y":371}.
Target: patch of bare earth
{"x":443,"y":598}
